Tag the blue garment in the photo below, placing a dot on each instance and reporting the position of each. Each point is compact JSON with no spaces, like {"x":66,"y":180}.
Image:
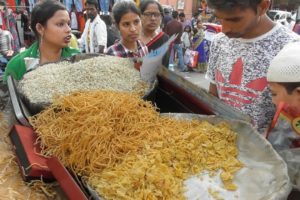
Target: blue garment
{"x":31,"y":4}
{"x":202,"y":53}
{"x":77,"y":3}
{"x":104,"y":4}
{"x":178,"y":49}
{"x":3,"y":60}
{"x":201,"y":45}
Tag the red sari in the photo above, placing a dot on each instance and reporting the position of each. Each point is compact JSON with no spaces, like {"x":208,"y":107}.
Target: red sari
{"x":157,"y":41}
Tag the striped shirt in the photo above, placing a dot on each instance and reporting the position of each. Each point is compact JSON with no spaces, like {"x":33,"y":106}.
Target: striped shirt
{"x":5,"y":42}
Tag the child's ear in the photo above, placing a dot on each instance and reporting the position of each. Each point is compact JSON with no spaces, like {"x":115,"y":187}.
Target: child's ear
{"x":298,"y":90}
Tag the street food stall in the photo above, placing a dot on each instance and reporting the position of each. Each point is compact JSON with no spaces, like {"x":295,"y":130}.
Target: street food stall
{"x":173,"y":140}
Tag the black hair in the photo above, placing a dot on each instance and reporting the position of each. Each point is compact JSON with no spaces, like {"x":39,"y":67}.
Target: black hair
{"x":174,"y":14}
{"x":42,"y":12}
{"x":166,"y":11}
{"x":290,"y":87}
{"x":181,"y":14}
{"x":226,"y":5}
{"x":196,"y":14}
{"x":188,"y":26}
{"x":93,"y":2}
{"x":107,"y":19}
{"x":144,"y":5}
{"x":123,"y":7}
{"x":195,"y":31}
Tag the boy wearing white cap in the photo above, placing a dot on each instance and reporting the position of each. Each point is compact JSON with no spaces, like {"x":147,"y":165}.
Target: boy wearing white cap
{"x":284,"y":133}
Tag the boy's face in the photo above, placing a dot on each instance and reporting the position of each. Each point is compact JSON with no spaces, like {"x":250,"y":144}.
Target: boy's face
{"x":238,"y":23}
{"x":244,"y":23}
{"x":280,"y":94}
{"x":91,"y":11}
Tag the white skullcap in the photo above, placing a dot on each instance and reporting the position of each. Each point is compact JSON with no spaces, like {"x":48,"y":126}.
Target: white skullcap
{"x":285,"y":67}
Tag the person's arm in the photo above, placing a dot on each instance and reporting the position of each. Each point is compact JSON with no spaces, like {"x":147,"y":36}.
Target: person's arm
{"x":81,"y":40}
{"x":101,"y":34}
{"x":213,"y":90}
{"x":101,"y":49}
{"x":212,"y":67}
{"x":110,"y":51}
{"x":10,"y":41}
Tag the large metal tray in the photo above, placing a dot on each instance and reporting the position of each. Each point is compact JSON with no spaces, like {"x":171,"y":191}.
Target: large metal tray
{"x":20,"y":110}
{"x":24,"y":108}
{"x":264,"y":176}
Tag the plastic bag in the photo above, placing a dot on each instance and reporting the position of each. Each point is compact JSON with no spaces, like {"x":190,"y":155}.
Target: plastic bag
{"x":284,"y":135}
{"x":292,"y":159}
{"x":191,"y":58}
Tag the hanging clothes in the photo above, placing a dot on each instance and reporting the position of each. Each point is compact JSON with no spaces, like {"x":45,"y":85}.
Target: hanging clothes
{"x":78,"y":4}
{"x":13,"y":29}
{"x":19,"y":5}
{"x":104,"y":5}
{"x":31,"y":4}
{"x":18,"y":2}
{"x":11,"y":4}
{"x":23,"y":4}
{"x":1,"y":20}
{"x":2,"y":13}
{"x":73,"y":20}
{"x":25,"y":27}
{"x":81,"y":21}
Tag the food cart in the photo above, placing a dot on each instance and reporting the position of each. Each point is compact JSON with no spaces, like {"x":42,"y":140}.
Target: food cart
{"x":174,"y":94}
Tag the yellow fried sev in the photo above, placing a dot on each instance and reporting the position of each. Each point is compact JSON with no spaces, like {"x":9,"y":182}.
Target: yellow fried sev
{"x":128,"y":151}
{"x":3,"y":125}
{"x":11,"y":184}
{"x":215,"y":194}
{"x":89,"y":131}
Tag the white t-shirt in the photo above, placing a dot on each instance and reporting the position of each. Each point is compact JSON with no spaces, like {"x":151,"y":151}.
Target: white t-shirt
{"x":185,"y":38}
{"x":238,"y":67}
{"x":74,"y":23}
{"x":94,"y":34}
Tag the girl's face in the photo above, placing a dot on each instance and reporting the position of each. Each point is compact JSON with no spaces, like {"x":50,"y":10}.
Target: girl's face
{"x":187,"y":30}
{"x":130,"y":27}
{"x":280,"y":94}
{"x":199,"y":24}
{"x":57,"y":31}
{"x":151,"y":18}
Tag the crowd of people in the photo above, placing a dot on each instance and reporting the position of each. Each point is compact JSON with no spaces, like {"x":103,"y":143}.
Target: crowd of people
{"x":95,"y":33}
{"x":239,"y":66}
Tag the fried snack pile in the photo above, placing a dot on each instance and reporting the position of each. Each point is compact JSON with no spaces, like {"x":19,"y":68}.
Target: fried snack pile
{"x":128,"y":151}
{"x":11,"y":184}
{"x":3,"y":126}
{"x":89,"y":131}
